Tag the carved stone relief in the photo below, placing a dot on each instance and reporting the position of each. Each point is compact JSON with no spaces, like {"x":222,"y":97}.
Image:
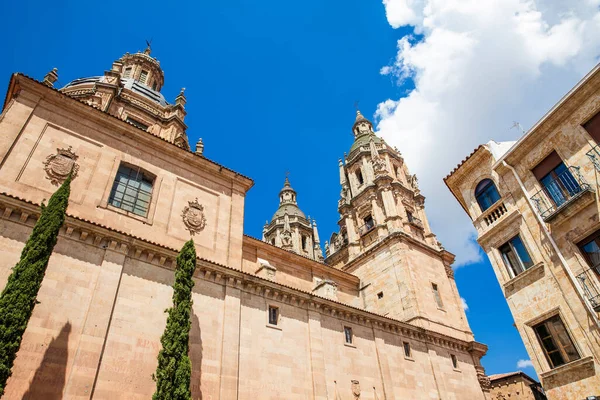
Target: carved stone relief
{"x":356,"y":389}
{"x":193,"y":217}
{"x":58,"y":166}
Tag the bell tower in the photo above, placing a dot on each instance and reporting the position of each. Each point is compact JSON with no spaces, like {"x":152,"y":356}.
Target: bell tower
{"x":384,"y":238}
{"x":290,"y":229}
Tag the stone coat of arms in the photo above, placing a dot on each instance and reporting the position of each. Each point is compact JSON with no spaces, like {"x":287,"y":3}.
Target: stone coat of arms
{"x":193,"y":217}
{"x":58,"y":166}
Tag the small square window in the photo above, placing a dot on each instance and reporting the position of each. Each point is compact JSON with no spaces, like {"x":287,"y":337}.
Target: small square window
{"x":407,"y":351}
{"x":380,"y":295}
{"x":127,"y":73}
{"x":273,"y":315}
{"x":454,"y":361}
{"x":348,"y":334}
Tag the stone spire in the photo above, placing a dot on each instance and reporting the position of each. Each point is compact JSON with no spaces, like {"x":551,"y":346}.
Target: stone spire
{"x":362,"y":126}
{"x":317,"y":243}
{"x":51,"y":77}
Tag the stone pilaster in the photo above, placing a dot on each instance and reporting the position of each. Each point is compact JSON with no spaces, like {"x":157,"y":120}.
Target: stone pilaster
{"x":317,"y":355}
{"x":231,"y":342}
{"x":88,"y":356}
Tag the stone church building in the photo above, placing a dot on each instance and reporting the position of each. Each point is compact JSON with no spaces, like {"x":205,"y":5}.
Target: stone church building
{"x":377,"y":315}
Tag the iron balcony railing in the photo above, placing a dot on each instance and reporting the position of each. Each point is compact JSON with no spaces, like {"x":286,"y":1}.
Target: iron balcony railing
{"x":589,"y":282}
{"x":594,"y":156}
{"x":367,"y":227}
{"x":415,"y":221}
{"x":558,"y":192}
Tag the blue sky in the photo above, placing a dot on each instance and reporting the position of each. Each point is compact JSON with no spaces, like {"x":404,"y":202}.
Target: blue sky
{"x":271,"y":88}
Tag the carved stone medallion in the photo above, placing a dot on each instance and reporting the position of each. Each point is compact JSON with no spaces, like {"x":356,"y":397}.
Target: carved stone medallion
{"x":58,"y":166}
{"x":356,"y":389}
{"x":193,"y":217}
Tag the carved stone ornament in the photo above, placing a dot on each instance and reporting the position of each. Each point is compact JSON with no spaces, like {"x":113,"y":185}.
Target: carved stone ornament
{"x":356,"y":389}
{"x":193,"y":217}
{"x":58,"y":166}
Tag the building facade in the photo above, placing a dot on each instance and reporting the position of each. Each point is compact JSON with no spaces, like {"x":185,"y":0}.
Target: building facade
{"x":515,"y":386}
{"x":534,"y":204}
{"x":379,"y":319}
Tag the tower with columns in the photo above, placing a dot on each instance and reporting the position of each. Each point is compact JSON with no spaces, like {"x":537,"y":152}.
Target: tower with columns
{"x":384,"y":238}
{"x":290,"y":229}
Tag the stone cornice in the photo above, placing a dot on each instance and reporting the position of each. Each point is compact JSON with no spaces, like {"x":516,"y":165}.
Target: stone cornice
{"x":26,"y":213}
{"x":115,"y":126}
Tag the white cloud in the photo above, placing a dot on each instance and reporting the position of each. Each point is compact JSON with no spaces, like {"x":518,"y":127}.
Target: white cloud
{"x":478,"y":66}
{"x":522,"y":364}
{"x":464,"y":304}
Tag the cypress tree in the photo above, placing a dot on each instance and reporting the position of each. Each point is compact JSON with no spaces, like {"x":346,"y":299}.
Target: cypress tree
{"x":174,"y":370}
{"x":19,"y":295}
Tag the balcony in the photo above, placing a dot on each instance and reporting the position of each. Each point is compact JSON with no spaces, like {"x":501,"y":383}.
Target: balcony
{"x":589,"y":282}
{"x":594,"y":156}
{"x":494,"y":213}
{"x":367,"y":227}
{"x":415,"y":221}
{"x":559,"y":192}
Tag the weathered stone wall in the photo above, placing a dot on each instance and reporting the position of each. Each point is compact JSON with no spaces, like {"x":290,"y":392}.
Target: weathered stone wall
{"x":106,"y":336}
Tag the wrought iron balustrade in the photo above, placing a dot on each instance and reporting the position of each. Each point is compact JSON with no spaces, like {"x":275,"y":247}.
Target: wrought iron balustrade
{"x":589,"y":282}
{"x":559,"y":192}
{"x":367,"y":227}
{"x":594,"y":156}
{"x":415,"y":221}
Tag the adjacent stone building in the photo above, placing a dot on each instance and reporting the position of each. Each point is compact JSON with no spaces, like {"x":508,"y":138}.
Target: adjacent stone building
{"x":381,"y":318}
{"x":515,"y":386}
{"x":535,"y":206}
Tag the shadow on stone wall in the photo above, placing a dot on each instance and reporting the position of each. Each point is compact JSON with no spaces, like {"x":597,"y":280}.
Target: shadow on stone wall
{"x":50,"y":377}
{"x":196,"y":358}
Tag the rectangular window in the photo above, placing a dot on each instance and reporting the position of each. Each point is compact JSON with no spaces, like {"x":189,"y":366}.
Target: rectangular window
{"x":556,"y":179}
{"x":304,"y":242}
{"x":127,"y":72}
{"x":590,"y":247}
{"x":137,"y":123}
{"x":143,"y":76}
{"x":454,"y":361}
{"x":593,"y":127}
{"x":348,"y":334}
{"x":359,"y":177}
{"x":131,"y":190}
{"x":515,"y":256}
{"x":436,"y":295}
{"x":273,"y":315}
{"x":407,"y":352}
{"x":369,"y":222}
{"x":556,"y":342}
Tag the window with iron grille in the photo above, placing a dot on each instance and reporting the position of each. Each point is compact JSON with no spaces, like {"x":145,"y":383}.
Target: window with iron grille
{"x":556,"y":342}
{"x":137,"y":123}
{"x":348,"y":334}
{"x":127,"y":72}
{"x":131,"y":190}
{"x":273,"y":315}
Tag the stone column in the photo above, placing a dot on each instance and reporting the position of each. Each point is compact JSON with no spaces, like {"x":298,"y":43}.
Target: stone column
{"x":88,"y":355}
{"x":231,"y":341}
{"x":317,"y":354}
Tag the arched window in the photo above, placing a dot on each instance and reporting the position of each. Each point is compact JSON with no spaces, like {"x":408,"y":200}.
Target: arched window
{"x":486,"y":194}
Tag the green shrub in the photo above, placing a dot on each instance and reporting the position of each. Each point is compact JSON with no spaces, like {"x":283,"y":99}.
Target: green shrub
{"x":174,"y":370}
{"x":19,"y":296}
